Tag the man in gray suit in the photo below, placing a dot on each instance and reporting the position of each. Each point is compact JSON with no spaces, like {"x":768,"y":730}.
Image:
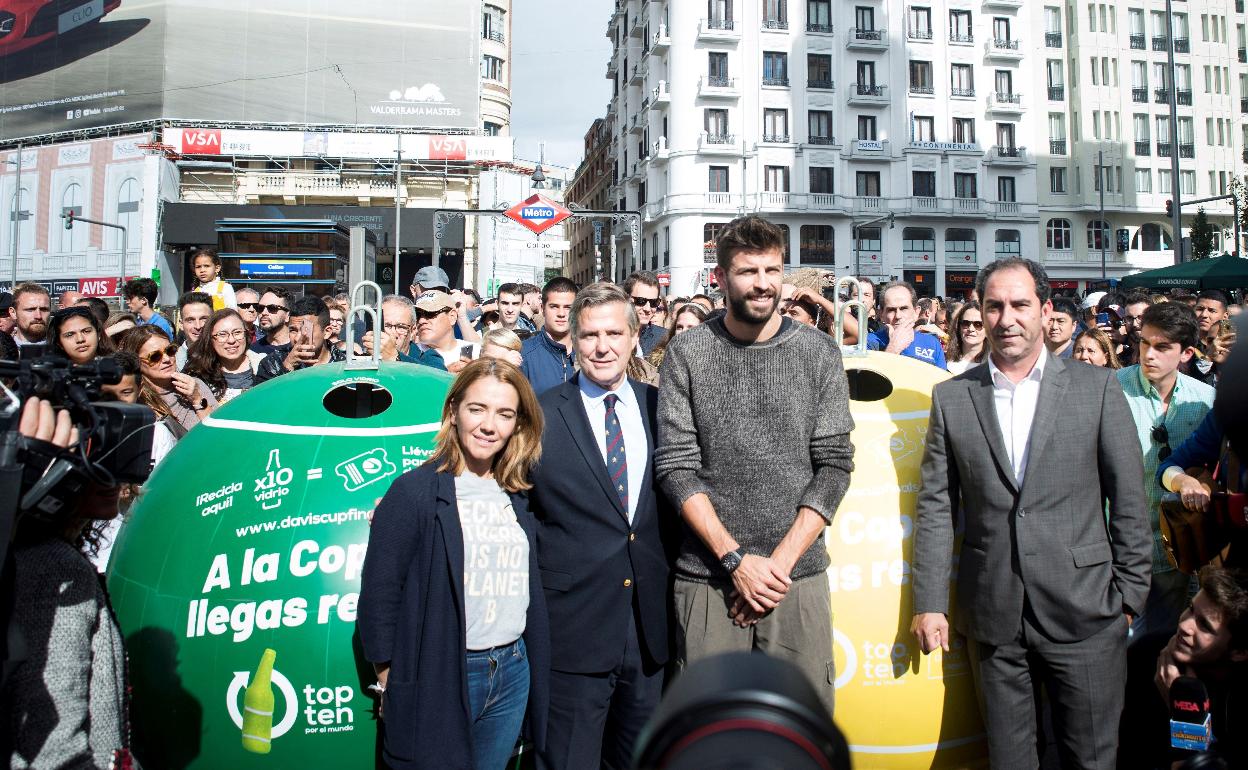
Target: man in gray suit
{"x":1045,"y":577}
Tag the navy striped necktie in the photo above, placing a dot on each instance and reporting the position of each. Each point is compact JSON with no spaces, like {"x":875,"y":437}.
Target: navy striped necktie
{"x":617,"y":460}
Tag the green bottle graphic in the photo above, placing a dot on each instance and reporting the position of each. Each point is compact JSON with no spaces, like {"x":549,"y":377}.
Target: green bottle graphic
{"x":258,"y":707}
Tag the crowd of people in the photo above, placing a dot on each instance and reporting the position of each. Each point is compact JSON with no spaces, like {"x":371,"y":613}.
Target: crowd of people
{"x":605,"y":443}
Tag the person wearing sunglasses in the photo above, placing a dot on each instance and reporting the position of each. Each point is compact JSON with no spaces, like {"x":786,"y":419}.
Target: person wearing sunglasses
{"x":185,"y":398}
{"x":220,"y":356}
{"x":309,"y":318}
{"x":643,"y":289}
{"x":75,"y":333}
{"x":1167,"y":406}
{"x":274,"y":316}
{"x":249,"y":310}
{"x":966,"y":346}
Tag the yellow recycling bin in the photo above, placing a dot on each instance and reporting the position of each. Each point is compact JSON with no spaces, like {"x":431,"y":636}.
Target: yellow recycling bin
{"x":899,"y":709}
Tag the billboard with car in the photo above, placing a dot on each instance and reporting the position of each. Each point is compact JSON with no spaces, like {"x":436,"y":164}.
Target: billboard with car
{"x":67,"y":65}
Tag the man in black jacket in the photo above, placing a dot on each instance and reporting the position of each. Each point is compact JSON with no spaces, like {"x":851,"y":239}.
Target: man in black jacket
{"x":603,"y":546}
{"x":309,"y":318}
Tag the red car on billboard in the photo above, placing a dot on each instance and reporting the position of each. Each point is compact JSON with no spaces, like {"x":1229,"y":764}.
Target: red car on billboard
{"x":27,"y":23}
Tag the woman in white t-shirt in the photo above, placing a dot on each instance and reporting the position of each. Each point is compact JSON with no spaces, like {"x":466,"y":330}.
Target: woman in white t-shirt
{"x":206,"y":265}
{"x":451,"y":609}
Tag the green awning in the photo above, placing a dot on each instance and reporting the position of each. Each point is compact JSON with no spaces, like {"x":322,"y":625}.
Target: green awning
{"x":1226,"y":272}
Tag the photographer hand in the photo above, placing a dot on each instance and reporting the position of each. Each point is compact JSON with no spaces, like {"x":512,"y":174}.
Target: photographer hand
{"x":40,"y":421}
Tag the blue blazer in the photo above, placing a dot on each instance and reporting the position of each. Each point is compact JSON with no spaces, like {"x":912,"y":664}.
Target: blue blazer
{"x":411,"y":614}
{"x":594,"y":564}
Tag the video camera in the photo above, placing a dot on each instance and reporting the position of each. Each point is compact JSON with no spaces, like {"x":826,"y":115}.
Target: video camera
{"x":115,"y":439}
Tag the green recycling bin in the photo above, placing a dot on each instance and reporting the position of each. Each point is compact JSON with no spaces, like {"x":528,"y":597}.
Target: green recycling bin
{"x":236,"y":579}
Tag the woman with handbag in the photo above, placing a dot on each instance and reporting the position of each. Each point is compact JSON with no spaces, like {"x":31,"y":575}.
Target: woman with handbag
{"x":451,"y":611}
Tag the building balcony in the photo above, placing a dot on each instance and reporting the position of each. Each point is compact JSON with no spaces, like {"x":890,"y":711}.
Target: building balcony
{"x":820,"y":84}
{"x":1057,"y":93}
{"x":961,"y":39}
{"x":613,"y":69}
{"x":776,"y":82}
{"x":866,"y":39}
{"x":821,"y":141}
{"x":1182,"y":45}
{"x":869,"y":149}
{"x":1143,"y":149}
{"x":712,"y":87}
{"x":922,"y":90}
{"x":1057,"y":146}
{"x":868,"y":204}
{"x":1002,"y":49}
{"x":1243,"y":56}
{"x":1006,"y":155}
{"x":718,"y":144}
{"x":1002,"y":4}
{"x":1161,"y":95}
{"x":661,"y":40}
{"x":1053,"y":39}
{"x":775,"y":139}
{"x":999,"y":101}
{"x":775,"y":200}
{"x":820,"y":29}
{"x":659,"y":152}
{"x":963,"y":206}
{"x":867,"y":95}
{"x":1243,"y":105}
{"x":638,"y":25}
{"x":1138,"y":42}
{"x":638,"y":76}
{"x":636,"y":124}
{"x":776,"y":25}
{"x":1187,"y":150}
{"x":718,"y":31}
{"x":660,"y":96}
{"x":962,"y":93}
{"x":1139,"y":95}
{"x":1160,"y":42}
{"x":920,"y":35}
{"x":723,"y":200}
{"x":493,"y":34}
{"x":1164,"y":149}
{"x":254,"y":186}
{"x":1183,"y":97}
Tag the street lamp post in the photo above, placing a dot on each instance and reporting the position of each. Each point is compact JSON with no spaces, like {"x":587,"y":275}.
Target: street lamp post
{"x":70,"y":218}
{"x":1100,"y":170}
{"x":17,"y":210}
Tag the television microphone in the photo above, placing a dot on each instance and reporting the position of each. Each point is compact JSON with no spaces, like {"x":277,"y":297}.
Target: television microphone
{"x":1191,"y":722}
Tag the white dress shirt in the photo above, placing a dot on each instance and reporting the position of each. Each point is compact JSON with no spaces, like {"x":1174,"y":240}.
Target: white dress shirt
{"x":636,"y":447}
{"x":1016,"y":410}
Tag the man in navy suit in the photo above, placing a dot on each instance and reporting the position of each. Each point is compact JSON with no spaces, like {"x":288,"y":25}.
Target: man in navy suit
{"x":603,"y":543}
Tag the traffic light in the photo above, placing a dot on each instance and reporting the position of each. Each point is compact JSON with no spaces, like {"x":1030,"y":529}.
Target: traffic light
{"x":68,"y":216}
{"x":1169,"y":207}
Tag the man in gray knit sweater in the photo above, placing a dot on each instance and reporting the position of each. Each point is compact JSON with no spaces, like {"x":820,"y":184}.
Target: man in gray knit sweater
{"x":753,"y":446}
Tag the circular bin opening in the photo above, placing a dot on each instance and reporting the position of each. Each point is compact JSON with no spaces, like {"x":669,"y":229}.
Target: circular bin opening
{"x":867,"y":385}
{"x":357,"y":400}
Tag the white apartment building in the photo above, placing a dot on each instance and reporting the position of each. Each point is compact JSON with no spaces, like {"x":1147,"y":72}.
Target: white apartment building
{"x":944,"y":133}
{"x":1106,"y":84}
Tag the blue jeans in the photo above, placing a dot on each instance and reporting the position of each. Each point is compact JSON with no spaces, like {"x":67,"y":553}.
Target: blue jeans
{"x":498,"y":695}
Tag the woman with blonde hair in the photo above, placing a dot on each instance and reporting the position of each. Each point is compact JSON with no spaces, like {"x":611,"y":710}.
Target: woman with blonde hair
{"x":502,"y":343}
{"x":1094,"y":346}
{"x":458,"y":667}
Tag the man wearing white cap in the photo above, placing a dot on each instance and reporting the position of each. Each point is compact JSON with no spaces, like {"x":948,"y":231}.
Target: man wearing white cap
{"x":436,"y":317}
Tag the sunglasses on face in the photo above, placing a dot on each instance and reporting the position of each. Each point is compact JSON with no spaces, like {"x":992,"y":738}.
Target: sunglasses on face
{"x":1162,"y":436}
{"x":426,"y":315}
{"x":156,"y":356}
{"x":273,"y":308}
{"x":252,"y":306}
{"x":642,"y":302}
{"x":976,"y":325}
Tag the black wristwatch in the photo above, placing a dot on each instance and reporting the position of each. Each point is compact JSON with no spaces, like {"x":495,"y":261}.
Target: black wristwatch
{"x":730,"y":561}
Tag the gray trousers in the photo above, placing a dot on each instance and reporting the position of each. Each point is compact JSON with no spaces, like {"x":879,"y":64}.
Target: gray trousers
{"x":799,"y":630}
{"x":1085,"y":682}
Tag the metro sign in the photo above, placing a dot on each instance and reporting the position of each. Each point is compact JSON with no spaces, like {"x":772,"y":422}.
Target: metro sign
{"x":538,"y":213}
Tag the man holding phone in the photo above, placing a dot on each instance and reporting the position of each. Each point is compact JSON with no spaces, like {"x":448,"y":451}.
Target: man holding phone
{"x":436,"y":319}
{"x":309,"y":317}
